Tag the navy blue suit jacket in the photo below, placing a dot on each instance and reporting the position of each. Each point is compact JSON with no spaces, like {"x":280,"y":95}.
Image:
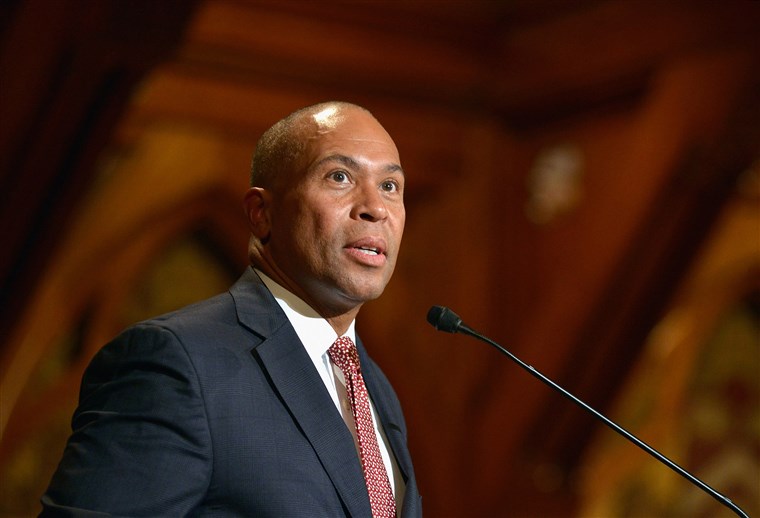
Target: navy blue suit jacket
{"x":217,"y":410}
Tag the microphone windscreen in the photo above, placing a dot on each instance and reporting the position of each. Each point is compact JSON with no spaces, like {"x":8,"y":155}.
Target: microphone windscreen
{"x":443,"y":319}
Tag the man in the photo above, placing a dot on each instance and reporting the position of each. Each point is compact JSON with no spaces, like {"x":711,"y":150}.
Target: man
{"x":248,"y":404}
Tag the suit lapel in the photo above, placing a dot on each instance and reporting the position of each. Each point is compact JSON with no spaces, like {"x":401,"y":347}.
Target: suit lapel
{"x":393,"y":430}
{"x":388,"y":417}
{"x":297,"y":381}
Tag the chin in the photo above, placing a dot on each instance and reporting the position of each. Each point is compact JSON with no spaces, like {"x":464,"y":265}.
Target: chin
{"x":365,"y":293}
{"x":359,"y":289}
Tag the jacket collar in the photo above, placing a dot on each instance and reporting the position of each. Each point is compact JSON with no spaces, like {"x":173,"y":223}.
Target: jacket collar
{"x":293,"y":376}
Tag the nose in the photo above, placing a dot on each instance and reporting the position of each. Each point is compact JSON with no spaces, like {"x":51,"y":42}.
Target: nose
{"x":370,"y":205}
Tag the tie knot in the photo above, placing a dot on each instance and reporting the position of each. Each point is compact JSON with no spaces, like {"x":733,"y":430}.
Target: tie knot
{"x":343,"y":354}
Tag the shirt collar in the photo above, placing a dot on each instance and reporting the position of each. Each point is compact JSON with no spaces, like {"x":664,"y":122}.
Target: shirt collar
{"x":316,"y":333}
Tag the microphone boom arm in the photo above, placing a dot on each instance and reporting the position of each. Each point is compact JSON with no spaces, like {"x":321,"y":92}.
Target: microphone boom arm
{"x":454,"y":324}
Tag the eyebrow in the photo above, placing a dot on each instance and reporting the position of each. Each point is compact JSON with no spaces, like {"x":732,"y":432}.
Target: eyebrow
{"x":350,"y":162}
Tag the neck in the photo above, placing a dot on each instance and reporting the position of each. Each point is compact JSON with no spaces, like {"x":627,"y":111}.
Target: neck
{"x":339,"y":318}
{"x":340,"y":323}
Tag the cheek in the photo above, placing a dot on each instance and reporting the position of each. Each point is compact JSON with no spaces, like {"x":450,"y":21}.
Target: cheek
{"x":312,"y":231}
{"x":399,"y":226}
{"x":292,"y":233}
{"x":323,"y":218}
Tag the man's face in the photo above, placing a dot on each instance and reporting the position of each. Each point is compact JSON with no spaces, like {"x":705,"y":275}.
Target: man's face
{"x":337,"y":222}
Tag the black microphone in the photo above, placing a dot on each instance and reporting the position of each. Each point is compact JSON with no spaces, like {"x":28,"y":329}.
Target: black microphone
{"x":443,"y":319}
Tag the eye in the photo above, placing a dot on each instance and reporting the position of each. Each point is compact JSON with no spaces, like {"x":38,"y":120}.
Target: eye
{"x":338,"y":176}
{"x":390,"y":186}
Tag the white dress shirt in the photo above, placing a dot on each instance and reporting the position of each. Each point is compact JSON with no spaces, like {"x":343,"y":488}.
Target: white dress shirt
{"x":317,"y":335}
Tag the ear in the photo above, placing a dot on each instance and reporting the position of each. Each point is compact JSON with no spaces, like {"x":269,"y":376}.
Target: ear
{"x":257,"y":203}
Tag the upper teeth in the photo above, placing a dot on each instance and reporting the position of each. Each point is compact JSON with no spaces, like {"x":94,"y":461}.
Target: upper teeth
{"x":368,"y":250}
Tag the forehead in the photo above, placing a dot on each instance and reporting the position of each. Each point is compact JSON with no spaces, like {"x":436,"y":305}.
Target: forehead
{"x":350,"y":131}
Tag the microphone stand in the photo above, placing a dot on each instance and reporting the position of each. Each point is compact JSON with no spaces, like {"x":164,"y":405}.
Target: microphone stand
{"x":454,"y":324}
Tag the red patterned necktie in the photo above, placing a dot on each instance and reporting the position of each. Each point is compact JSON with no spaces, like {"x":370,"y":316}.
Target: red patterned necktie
{"x":343,"y":354}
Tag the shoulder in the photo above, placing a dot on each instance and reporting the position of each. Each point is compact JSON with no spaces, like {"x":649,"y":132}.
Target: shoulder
{"x":174,"y":335}
{"x":198,"y":321}
{"x":215,"y":311}
{"x":219,"y":313}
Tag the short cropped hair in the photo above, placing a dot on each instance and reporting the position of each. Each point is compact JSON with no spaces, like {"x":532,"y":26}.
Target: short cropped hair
{"x":282,"y":144}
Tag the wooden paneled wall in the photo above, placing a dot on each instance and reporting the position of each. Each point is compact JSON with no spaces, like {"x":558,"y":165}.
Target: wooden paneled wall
{"x":565,"y":161}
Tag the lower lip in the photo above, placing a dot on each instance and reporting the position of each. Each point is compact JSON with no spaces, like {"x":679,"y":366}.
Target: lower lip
{"x":367,"y":259}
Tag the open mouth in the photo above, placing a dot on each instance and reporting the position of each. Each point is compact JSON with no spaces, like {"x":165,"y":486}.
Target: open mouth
{"x":368,"y":250}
